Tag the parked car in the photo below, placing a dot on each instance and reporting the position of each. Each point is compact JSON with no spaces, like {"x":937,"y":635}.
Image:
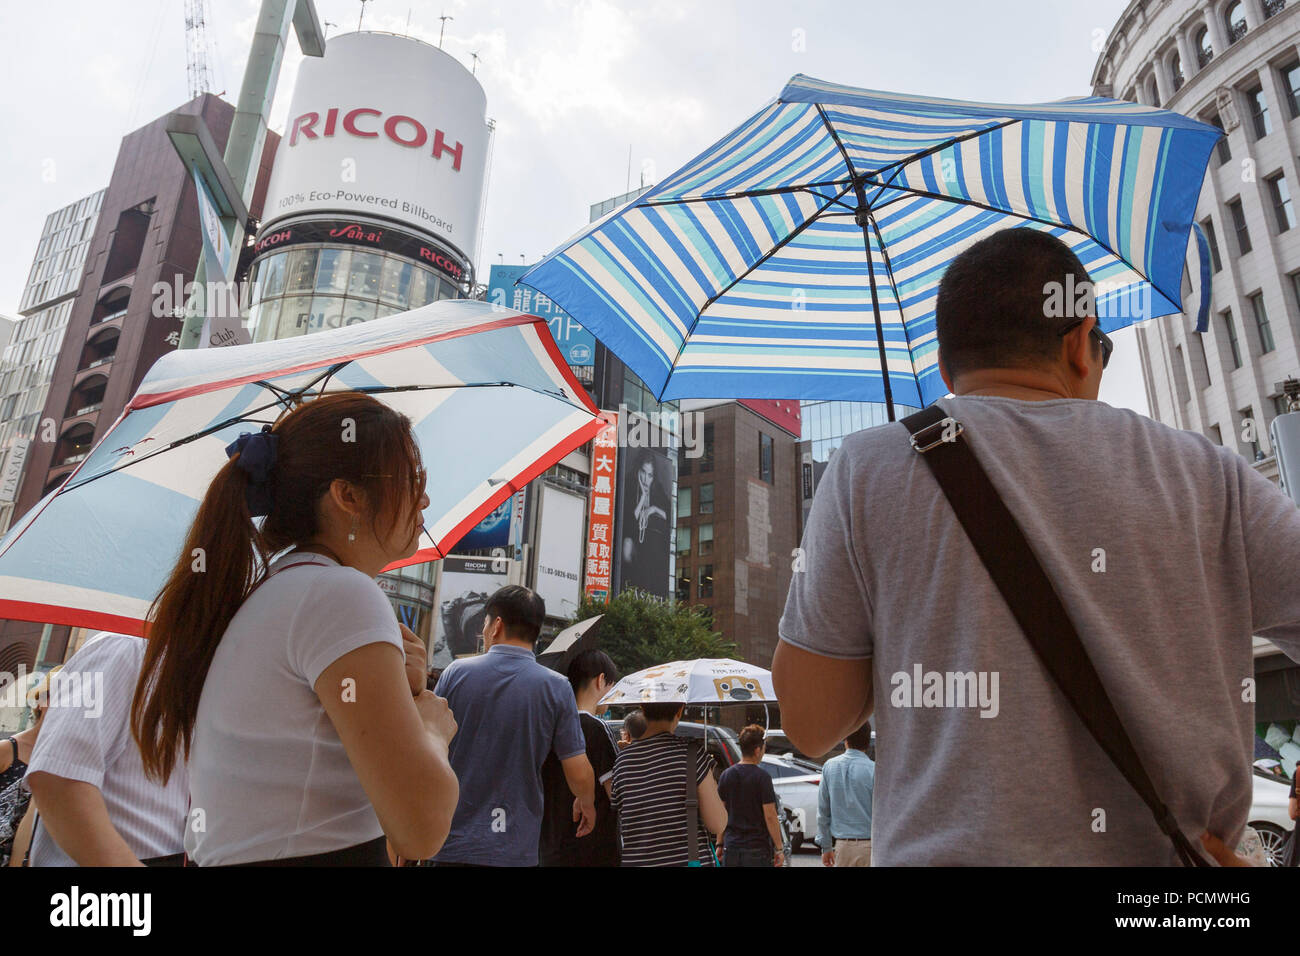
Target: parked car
{"x":1269,"y":814}
{"x":795,"y":781}
{"x":779,"y":744}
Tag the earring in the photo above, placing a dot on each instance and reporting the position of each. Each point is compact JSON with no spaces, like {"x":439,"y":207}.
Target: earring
{"x":352,"y":535}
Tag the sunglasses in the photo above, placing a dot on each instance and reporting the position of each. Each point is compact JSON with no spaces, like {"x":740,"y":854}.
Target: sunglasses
{"x":1107,"y":346}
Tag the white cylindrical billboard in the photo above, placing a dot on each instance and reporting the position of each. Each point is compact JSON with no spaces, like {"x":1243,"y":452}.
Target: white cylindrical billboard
{"x":386,"y":126}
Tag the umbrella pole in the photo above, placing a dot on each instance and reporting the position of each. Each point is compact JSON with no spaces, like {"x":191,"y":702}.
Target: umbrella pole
{"x":861,"y":217}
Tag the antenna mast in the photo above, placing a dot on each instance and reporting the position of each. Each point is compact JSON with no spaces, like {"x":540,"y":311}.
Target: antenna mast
{"x":196,"y":48}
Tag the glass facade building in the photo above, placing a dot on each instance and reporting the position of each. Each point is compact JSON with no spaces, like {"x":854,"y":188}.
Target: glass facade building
{"x":827,"y":424}
{"x":47,"y":302}
{"x":308,"y":288}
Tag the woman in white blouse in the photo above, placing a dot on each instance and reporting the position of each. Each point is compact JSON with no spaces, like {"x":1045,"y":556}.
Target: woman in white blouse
{"x":287,"y":683}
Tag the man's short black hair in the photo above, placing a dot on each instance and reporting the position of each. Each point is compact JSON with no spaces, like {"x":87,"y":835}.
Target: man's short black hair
{"x":520,"y":609}
{"x":860,"y":739}
{"x":661,"y":711}
{"x":589,"y":665}
{"x":992,"y":309}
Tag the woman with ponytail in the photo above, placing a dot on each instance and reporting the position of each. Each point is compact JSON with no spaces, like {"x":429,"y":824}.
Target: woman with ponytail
{"x":276,"y":668}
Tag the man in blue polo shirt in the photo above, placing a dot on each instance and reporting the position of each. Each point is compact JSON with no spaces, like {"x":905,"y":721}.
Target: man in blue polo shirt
{"x":511,"y":713}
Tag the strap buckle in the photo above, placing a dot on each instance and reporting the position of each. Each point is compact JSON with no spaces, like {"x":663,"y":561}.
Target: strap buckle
{"x":942,"y":424}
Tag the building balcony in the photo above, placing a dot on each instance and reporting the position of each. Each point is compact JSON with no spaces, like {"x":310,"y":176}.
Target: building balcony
{"x":101,"y":361}
{"x":73,"y":459}
{"x":1273,"y":7}
{"x":110,"y":317}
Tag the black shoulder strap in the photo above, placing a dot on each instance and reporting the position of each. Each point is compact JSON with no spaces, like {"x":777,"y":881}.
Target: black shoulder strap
{"x":1033,"y":600}
{"x":692,"y":802}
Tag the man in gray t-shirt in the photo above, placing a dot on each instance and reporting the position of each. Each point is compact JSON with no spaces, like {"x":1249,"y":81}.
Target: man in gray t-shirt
{"x":1167,"y":551}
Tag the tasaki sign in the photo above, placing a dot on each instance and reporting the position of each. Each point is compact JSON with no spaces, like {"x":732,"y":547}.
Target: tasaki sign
{"x":388,"y":127}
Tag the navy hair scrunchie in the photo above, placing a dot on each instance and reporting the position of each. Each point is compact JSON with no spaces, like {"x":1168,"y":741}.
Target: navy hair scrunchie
{"x":256,"y":451}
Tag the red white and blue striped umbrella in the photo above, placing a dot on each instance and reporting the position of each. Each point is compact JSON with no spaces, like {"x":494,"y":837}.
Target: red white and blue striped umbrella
{"x":800,"y":256}
{"x":492,"y":402}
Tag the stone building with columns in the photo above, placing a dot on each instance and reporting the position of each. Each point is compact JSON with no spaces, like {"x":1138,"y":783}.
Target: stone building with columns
{"x":1234,"y":64}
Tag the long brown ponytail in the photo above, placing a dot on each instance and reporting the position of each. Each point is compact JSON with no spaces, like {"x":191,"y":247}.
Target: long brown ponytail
{"x":347,"y":435}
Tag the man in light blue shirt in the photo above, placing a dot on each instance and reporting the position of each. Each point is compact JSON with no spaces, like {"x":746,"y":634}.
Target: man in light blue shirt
{"x":844,"y":803}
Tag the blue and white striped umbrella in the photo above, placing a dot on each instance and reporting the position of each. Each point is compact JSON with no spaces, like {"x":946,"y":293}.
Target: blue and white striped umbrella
{"x":492,"y":402}
{"x":801,"y":254}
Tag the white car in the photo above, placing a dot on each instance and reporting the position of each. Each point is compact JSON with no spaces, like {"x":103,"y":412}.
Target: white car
{"x":1269,"y":815}
{"x":795,"y":782}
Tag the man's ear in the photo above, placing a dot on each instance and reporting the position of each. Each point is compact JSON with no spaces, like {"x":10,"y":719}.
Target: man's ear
{"x":1078,"y":346}
{"x":943,"y":373}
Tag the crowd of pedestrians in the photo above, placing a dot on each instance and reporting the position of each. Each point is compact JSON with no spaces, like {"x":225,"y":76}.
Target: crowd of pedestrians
{"x":279,"y":715}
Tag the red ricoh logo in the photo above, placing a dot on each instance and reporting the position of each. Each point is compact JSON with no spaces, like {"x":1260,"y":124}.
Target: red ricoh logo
{"x":273,"y":240}
{"x":439,"y":260}
{"x":402,"y":130}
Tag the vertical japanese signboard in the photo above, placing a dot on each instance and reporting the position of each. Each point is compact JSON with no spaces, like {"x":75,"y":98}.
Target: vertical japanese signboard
{"x":600,"y":526}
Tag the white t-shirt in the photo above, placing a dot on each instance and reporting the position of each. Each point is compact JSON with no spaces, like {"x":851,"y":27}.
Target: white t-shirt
{"x":267,"y":768}
{"x":86,"y":736}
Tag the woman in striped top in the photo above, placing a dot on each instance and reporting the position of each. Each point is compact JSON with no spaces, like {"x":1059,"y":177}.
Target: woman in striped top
{"x":649,"y":793}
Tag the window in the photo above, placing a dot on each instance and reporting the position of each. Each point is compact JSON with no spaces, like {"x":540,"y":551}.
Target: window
{"x":1281,"y":202}
{"x":1234,"y":18}
{"x":683,"y":463}
{"x":1213,"y":240}
{"x":1222,"y":149}
{"x":1280,"y":405}
{"x":684,"y":584}
{"x":1176,"y":71}
{"x":1232,"y":338}
{"x":706,"y":581}
{"x":1291,"y":84}
{"x":1205,"y":362}
{"x":683,"y":541}
{"x":1249,"y":429}
{"x":1204,"y":49}
{"x":1180,"y":375}
{"x":1153,"y":92}
{"x":766,"y":451}
{"x":1239,"y":225}
{"x":1261,"y":323}
{"x":1259,"y":112}
{"x":683,"y":502}
{"x":1295,"y":287}
{"x":706,"y":460}
{"x":706,"y":499}
{"x":1216,"y":434}
{"x":706,"y":540}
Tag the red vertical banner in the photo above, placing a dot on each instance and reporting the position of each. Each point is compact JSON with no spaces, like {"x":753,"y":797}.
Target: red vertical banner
{"x":599,"y":560}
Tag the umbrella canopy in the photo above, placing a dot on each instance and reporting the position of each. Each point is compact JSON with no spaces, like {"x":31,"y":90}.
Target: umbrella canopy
{"x":491,"y":400}
{"x":571,"y":642}
{"x":704,"y":681}
{"x":800,"y":256}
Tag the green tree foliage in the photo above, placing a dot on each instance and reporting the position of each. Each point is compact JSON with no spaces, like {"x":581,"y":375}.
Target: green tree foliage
{"x":639,"y":631}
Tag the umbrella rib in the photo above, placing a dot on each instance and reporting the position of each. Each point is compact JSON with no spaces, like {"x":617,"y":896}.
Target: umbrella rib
{"x":925,"y":194}
{"x":744,"y":194}
{"x":699,"y":314}
{"x":247,"y":417}
{"x":889,"y":272}
{"x":899,"y":165}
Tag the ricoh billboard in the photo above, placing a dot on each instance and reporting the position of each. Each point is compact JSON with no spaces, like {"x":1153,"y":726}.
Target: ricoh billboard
{"x":386,"y":126}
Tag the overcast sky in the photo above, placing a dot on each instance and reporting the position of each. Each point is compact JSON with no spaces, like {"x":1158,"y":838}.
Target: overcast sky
{"x":571,"y":84}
